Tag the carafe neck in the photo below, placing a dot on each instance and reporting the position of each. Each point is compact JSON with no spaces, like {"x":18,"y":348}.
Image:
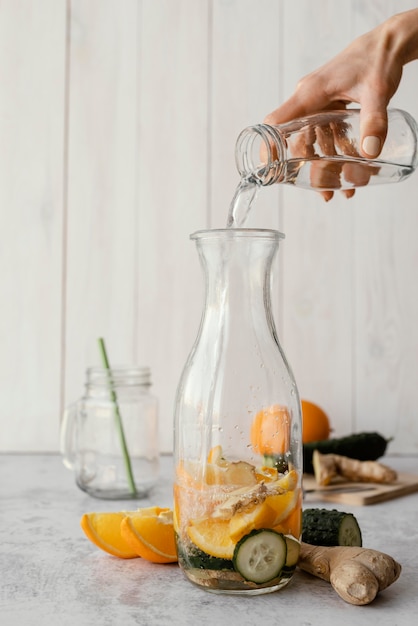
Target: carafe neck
{"x":237,"y":265}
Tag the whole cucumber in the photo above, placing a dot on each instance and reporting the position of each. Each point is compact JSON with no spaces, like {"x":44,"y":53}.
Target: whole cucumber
{"x":362,"y":446}
{"x":323,"y":527}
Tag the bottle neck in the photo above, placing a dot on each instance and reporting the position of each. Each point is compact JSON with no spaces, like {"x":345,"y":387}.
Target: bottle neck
{"x":260,"y":154}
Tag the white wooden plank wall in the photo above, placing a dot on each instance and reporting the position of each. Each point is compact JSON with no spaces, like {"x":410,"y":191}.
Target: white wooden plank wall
{"x":32,"y":123}
{"x":118,"y":120}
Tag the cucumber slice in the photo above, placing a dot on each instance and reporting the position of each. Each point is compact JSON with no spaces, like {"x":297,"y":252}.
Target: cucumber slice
{"x":260,"y":555}
{"x":349,"y":533}
{"x":293,"y":549}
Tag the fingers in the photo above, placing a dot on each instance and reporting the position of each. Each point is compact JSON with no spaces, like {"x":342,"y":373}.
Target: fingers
{"x":289,"y":110}
{"x":373,"y":119}
{"x":327,"y":195}
{"x":309,"y":97}
{"x":325,"y":173}
{"x":373,"y":130}
{"x":349,"y":193}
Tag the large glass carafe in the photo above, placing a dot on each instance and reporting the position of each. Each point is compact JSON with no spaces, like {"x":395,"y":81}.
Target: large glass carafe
{"x":237,"y":493}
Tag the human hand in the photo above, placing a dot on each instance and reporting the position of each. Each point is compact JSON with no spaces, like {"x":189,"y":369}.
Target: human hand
{"x":323,"y":153}
{"x":367,"y":72}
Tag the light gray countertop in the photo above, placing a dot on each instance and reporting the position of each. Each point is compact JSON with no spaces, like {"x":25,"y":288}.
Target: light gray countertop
{"x":51,"y":575}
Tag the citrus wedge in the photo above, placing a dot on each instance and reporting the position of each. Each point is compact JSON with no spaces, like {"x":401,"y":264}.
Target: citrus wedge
{"x":267,"y":474}
{"x":151,"y":535}
{"x":282,"y":505}
{"x":260,"y":516}
{"x":212,"y":537}
{"x":292,"y":524}
{"x":103,"y":529}
{"x":289,"y":481}
{"x":215,"y":455}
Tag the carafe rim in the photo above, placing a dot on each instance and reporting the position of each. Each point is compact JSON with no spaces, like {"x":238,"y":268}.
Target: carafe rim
{"x":262,"y":233}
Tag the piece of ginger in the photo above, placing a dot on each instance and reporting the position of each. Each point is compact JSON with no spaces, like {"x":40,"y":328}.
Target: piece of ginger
{"x":356,"y":574}
{"x":330,"y":466}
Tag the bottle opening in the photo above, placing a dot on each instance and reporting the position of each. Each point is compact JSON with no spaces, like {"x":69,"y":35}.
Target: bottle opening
{"x":259,"y":154}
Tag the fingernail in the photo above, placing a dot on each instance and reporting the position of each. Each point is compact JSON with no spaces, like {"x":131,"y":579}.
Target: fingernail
{"x":327,"y":195}
{"x":371,"y":146}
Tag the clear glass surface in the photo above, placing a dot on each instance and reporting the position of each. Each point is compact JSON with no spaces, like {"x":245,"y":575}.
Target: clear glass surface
{"x":322,"y":152}
{"x":237,"y":420}
{"x":109,"y":437}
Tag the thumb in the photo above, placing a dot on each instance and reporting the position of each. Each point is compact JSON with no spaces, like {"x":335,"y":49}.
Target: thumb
{"x":373,"y":130}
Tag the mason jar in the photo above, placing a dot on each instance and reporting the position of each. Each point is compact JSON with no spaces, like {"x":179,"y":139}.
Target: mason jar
{"x":109,"y":437}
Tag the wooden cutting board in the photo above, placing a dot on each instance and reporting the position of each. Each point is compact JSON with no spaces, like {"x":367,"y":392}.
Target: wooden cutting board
{"x":359,"y":494}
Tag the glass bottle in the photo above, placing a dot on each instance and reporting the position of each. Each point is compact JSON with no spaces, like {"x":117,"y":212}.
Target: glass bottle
{"x":109,"y":437}
{"x":322,"y":152}
{"x":237,"y":492}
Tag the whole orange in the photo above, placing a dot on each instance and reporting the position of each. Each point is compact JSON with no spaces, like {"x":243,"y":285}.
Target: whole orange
{"x":315,"y":422}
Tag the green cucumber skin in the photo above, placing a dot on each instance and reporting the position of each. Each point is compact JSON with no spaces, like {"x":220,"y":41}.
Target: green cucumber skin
{"x":321,"y":527}
{"x":194,"y":558}
{"x":367,"y":446}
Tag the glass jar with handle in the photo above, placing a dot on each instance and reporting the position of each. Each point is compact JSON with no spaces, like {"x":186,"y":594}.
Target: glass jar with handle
{"x":109,"y":437}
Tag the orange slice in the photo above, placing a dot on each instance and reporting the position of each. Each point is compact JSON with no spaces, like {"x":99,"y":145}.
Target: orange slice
{"x":103,"y":529}
{"x":289,"y":481}
{"x":283,"y":505}
{"x":215,"y":455}
{"x":260,"y":516}
{"x":151,"y":535}
{"x":267,"y":474}
{"x":212,"y":537}
{"x":292,"y":524}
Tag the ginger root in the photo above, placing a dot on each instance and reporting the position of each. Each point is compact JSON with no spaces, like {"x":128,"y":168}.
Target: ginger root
{"x":329,"y":466}
{"x":356,"y":574}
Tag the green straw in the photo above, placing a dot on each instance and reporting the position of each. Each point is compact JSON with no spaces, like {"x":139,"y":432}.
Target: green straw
{"x":119,"y":424}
